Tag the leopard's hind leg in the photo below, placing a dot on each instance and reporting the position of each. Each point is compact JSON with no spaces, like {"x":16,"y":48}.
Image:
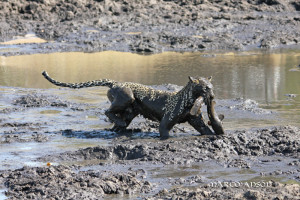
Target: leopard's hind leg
{"x":121,"y":98}
{"x":127,"y":116}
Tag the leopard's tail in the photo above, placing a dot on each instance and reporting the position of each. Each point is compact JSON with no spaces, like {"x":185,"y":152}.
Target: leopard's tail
{"x":103,"y":82}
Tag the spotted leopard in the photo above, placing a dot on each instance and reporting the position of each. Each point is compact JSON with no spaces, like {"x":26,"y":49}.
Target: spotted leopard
{"x":169,"y":108}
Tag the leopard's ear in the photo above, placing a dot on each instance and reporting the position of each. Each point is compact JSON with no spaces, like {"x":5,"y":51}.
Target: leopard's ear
{"x":193,"y":80}
{"x":209,"y":78}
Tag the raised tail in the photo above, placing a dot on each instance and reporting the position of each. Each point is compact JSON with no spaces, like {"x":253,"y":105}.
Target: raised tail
{"x":103,"y":82}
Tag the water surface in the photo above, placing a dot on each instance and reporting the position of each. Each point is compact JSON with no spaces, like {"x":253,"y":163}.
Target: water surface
{"x":271,"y":79}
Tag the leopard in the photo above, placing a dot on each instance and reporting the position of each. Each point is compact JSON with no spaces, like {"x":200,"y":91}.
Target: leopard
{"x":169,"y":108}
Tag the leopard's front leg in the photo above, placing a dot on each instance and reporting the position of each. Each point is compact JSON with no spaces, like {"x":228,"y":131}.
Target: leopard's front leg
{"x":166,"y":124}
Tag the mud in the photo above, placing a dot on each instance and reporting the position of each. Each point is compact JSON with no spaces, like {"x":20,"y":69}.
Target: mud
{"x":36,"y":100}
{"x":62,"y":156}
{"x":60,"y":182}
{"x":149,"y":26}
{"x":227,"y":149}
{"x":54,"y":145}
{"x":12,"y":138}
{"x":274,"y":191}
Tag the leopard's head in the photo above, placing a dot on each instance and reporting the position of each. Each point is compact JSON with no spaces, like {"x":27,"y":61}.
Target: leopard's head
{"x":202,"y":87}
{"x":203,"y":92}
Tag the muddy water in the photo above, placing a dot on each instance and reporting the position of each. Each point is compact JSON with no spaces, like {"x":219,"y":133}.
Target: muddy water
{"x":271,"y":79}
{"x":25,"y":154}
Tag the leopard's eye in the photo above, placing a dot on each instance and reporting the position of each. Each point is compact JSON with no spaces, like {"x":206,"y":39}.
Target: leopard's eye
{"x":207,"y":88}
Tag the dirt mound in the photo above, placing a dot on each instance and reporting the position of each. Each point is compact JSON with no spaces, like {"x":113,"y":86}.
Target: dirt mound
{"x":35,"y":100}
{"x":11,"y":138}
{"x":50,"y":10}
{"x":59,"y":182}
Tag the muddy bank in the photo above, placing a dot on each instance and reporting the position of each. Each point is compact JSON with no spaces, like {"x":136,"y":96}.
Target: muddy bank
{"x":150,"y":26}
{"x":59,"y":182}
{"x":250,"y":164}
{"x":12,"y":138}
{"x":274,"y":191}
{"x":230,"y":149}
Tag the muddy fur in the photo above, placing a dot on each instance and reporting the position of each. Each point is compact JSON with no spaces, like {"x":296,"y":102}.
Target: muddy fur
{"x":169,"y":108}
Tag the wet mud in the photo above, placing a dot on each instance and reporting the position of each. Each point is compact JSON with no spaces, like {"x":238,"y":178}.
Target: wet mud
{"x":60,"y":182}
{"x":69,"y":152}
{"x":274,"y":191}
{"x":148,"y":26}
{"x":282,"y":141}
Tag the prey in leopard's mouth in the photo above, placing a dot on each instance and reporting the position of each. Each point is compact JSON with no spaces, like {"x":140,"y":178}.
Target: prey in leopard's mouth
{"x":204,"y":90}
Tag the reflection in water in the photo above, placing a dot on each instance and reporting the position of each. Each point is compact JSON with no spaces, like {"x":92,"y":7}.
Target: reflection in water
{"x":265,"y":77}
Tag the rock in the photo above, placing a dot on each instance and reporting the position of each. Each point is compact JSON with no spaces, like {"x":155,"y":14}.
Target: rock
{"x":252,"y":195}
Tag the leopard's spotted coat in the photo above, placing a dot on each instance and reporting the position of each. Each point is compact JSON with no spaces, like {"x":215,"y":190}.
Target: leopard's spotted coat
{"x":167,"y":107}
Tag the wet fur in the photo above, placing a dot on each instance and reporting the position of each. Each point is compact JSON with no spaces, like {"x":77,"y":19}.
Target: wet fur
{"x":169,"y":108}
